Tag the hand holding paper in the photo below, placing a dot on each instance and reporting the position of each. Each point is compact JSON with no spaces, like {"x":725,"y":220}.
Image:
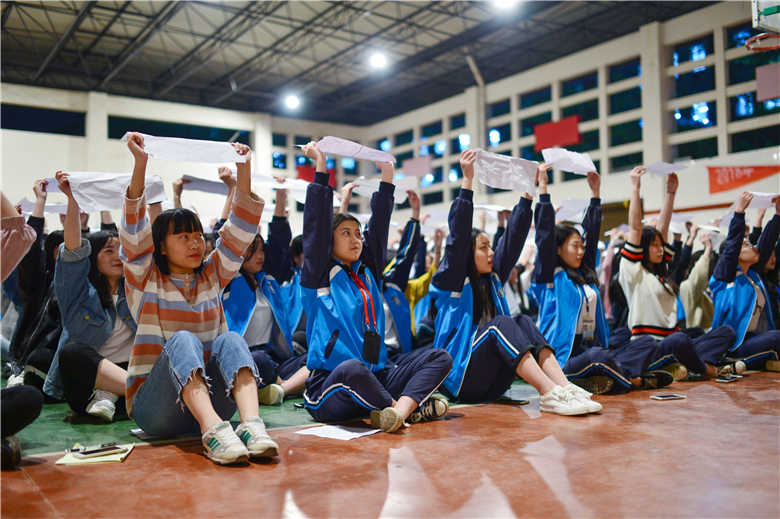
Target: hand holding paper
{"x":181,"y":150}
{"x":505,"y":172}
{"x":661,"y":169}
{"x":565,"y":160}
{"x":346,"y":148}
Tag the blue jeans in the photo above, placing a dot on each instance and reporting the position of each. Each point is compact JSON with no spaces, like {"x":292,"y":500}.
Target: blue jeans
{"x":158,"y":408}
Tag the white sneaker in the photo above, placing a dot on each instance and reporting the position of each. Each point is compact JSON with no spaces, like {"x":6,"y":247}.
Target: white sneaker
{"x":584,"y":397}
{"x":222,"y":446}
{"x":272,"y":394}
{"x":102,"y":405}
{"x":15,"y":380}
{"x":561,"y":401}
{"x":256,"y":439}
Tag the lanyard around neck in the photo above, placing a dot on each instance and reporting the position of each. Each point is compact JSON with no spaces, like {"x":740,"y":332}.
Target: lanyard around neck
{"x":363,"y":291}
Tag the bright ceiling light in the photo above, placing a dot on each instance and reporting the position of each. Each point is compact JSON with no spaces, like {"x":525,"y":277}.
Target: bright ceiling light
{"x":378,"y":60}
{"x":292,"y":101}
{"x":504,"y":4}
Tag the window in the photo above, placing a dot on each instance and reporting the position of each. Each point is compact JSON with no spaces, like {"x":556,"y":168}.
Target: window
{"x":737,"y":36}
{"x":696,"y":149}
{"x":457,"y":121}
{"x":439,"y":148}
{"x":349,"y":165}
{"x":499,"y":134}
{"x":434,"y":177}
{"x":587,"y":111}
{"x":744,"y":69}
{"x":625,"y":70}
{"x":754,"y":139}
{"x":279,"y":160}
{"x":455,"y":172}
{"x":625,"y":100}
{"x":499,"y":108}
{"x":535,"y":97}
{"x":436,"y":197}
{"x":279,"y":139}
{"x":699,"y":115}
{"x":698,"y":80}
{"x":579,"y":84}
{"x":353,"y":208}
{"x":590,"y":141}
{"x":118,"y":126}
{"x":298,"y":207}
{"x":44,"y":120}
{"x":383,"y":144}
{"x":330,"y":164}
{"x":625,"y":162}
{"x":403,"y":205}
{"x":401,"y":157}
{"x":430,"y":130}
{"x":460,"y":143}
{"x":301,"y":140}
{"x":303,"y":160}
{"x":404,"y":137}
{"x":744,"y":106}
{"x":567,"y":176}
{"x":624,"y":133}
{"x":425,"y":150}
{"x":527,"y":124}
{"x":692,"y":50}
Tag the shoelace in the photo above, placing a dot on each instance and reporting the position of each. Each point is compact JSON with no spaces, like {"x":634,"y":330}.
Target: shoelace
{"x":428,"y":409}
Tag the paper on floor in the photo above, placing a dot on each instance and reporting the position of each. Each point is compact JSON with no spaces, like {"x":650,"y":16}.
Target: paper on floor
{"x":338,"y":432}
{"x":189,"y":150}
{"x":70,"y":459}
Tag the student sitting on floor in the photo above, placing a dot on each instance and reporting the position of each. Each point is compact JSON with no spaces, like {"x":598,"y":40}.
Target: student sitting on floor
{"x":350,"y":373}
{"x":489,"y":348}
{"x":652,"y":298}
{"x":89,"y":368}
{"x":571,"y":315}
{"x":185,"y":364}
{"x":256,"y":308}
{"x":740,"y":296}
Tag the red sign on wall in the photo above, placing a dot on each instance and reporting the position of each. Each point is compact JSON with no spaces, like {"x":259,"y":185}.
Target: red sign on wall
{"x":726,"y":178}
{"x":306,"y":172}
{"x":561,"y":133}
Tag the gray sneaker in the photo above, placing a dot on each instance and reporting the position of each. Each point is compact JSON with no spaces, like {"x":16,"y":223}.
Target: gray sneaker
{"x":222,"y":446}
{"x":433,"y":408}
{"x":256,"y":439}
{"x":272,"y":394}
{"x":388,"y":419}
{"x":102,"y":405}
{"x":733,"y":368}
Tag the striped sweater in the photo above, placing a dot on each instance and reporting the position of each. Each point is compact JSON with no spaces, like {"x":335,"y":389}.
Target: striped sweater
{"x":163,"y":305}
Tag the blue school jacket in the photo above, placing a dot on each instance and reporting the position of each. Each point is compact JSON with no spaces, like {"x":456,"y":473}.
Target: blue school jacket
{"x":239,"y":300}
{"x":396,"y":278}
{"x":335,"y":318}
{"x":452,"y":292}
{"x":279,"y":264}
{"x":732,"y":294}
{"x":559,"y":298}
{"x":84,"y":320}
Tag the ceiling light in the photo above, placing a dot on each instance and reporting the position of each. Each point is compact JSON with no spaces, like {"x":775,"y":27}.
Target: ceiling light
{"x":292,"y":101}
{"x":378,"y":60}
{"x":504,"y":4}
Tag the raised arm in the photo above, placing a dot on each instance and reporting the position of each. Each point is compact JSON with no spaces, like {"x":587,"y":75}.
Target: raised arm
{"x":226,"y":176}
{"x":666,"y":211}
{"x":544,"y":219}
{"x":72,"y":215}
{"x":346,"y":197}
{"x":503,"y":216}
{"x":178,"y":187}
{"x":635,"y":207}
{"x":377,"y":229}
{"x":17,"y":237}
{"x":135,"y":142}
{"x":766,"y":243}
{"x":726,"y":268}
{"x":592,"y":221}
{"x":277,"y":247}
{"x":31,"y":268}
{"x":399,"y":269}
{"x":758,"y":225}
{"x":317,"y":224}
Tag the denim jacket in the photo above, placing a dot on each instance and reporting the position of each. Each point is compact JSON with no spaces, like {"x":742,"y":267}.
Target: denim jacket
{"x":84,"y":320}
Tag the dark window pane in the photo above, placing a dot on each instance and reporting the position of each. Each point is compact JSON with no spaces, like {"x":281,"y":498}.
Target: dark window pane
{"x":403,"y":138}
{"x":499,"y":108}
{"x":401,"y":157}
{"x":117,"y":126}
{"x":625,"y":70}
{"x":353,"y":208}
{"x":625,"y":100}
{"x":279,"y":139}
{"x":439,"y":148}
{"x":499,"y":134}
{"x":403,"y":205}
{"x":696,"y":149}
{"x":303,"y":160}
{"x":590,"y":141}
{"x":700,"y":115}
{"x":579,"y":84}
{"x":460,"y":143}
{"x":745,"y":106}
{"x":698,"y":80}
{"x":737,"y":36}
{"x":754,"y":139}
{"x":625,"y":162}
{"x":457,"y":121}
{"x":299,"y":207}
{"x":430,"y":130}
{"x":44,"y":120}
{"x":587,"y":111}
{"x":436,"y":197}
{"x":279,"y":160}
{"x":536,"y":97}
{"x":694,"y":50}
{"x":302,"y":140}
{"x":434,"y":177}
{"x":744,"y":69}
{"x":455,"y":172}
{"x":383,"y":144}
{"x":527,"y":124}
{"x":624,"y":133}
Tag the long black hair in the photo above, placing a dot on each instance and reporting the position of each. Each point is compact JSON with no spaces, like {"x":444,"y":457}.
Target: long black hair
{"x":97,"y":241}
{"x":173,"y":221}
{"x":50,"y":244}
{"x":250,"y":278}
{"x":660,"y":270}
{"x":340,"y":218}
{"x":584,"y":275}
{"x":482,"y":298}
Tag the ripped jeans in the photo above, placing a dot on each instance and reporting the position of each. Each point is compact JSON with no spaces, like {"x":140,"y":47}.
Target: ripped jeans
{"x":157,"y":406}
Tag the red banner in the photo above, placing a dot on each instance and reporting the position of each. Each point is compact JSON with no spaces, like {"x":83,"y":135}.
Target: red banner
{"x":560,"y":133}
{"x":726,"y":178}
{"x":306,"y":173}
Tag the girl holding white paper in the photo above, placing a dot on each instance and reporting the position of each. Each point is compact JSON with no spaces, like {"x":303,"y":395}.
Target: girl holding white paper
{"x":187,"y":371}
{"x":351,"y":376}
{"x":571,"y":314}
{"x":652,"y":297}
{"x":89,"y":367}
{"x":488,"y":347}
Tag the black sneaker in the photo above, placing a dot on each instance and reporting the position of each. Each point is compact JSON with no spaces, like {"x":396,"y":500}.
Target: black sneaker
{"x":433,"y":408}
{"x":656,"y":378}
{"x":12,"y":452}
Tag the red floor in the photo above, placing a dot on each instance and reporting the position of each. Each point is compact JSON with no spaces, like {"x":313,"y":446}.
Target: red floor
{"x":713,"y":455}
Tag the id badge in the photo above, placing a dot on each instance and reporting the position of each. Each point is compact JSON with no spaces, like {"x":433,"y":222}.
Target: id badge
{"x":371,"y":342}
{"x":588,"y":330}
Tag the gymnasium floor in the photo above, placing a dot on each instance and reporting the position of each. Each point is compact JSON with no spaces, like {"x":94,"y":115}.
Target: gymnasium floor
{"x":714,"y":454}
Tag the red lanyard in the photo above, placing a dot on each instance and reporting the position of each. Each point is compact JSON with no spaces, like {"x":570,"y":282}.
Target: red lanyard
{"x":363,"y":291}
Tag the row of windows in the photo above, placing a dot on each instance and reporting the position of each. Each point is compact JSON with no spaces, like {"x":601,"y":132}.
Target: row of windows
{"x":621,"y":133}
{"x":426,"y":131}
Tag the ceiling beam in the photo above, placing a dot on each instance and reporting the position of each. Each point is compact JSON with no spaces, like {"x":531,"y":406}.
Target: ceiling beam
{"x":63,"y":39}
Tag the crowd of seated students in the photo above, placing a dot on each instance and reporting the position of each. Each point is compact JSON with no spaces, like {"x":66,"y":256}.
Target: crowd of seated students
{"x":178,"y":329}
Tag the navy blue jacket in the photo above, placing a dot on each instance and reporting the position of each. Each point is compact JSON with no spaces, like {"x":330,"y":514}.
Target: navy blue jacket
{"x":396,"y":277}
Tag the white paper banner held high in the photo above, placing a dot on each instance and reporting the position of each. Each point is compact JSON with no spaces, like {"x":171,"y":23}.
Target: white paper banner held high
{"x":503,"y":172}
{"x":346,"y":148}
{"x":189,"y":150}
{"x":662,"y":169}
{"x":367,"y":187}
{"x":565,"y":160}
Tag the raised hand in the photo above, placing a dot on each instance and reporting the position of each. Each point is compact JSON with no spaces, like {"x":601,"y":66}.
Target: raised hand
{"x":414,"y":202}
{"x":39,"y":188}
{"x":135,"y":143}
{"x":226,"y":176}
{"x":636,"y":176}
{"x":311,"y":151}
{"x":743,"y":201}
{"x":178,"y":187}
{"x":594,"y":181}
{"x":63,"y":179}
{"x":541,"y":177}
{"x":438,"y":237}
{"x":672,"y":183}
{"x":467,"y":160}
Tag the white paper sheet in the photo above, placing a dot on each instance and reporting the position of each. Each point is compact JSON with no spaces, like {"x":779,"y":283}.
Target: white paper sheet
{"x":296,"y":187}
{"x":565,"y":160}
{"x":205,"y":186}
{"x":347,"y":148}
{"x":368,"y":186}
{"x":28,"y":206}
{"x":662,"y":169}
{"x":620,"y":228}
{"x":760,"y":201}
{"x":572,"y":210}
{"x":493,"y":208}
{"x":52,"y":186}
{"x":98,"y":191}
{"x":417,"y":167}
{"x":503,"y":172}
{"x":189,"y":150}
{"x":337,"y":432}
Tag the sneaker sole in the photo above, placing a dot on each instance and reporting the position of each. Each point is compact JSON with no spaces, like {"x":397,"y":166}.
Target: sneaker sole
{"x":772,"y":365}
{"x":244,"y":458}
{"x":386,"y":421}
{"x":268,"y":452}
{"x":568,"y":413}
{"x":678,"y":372}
